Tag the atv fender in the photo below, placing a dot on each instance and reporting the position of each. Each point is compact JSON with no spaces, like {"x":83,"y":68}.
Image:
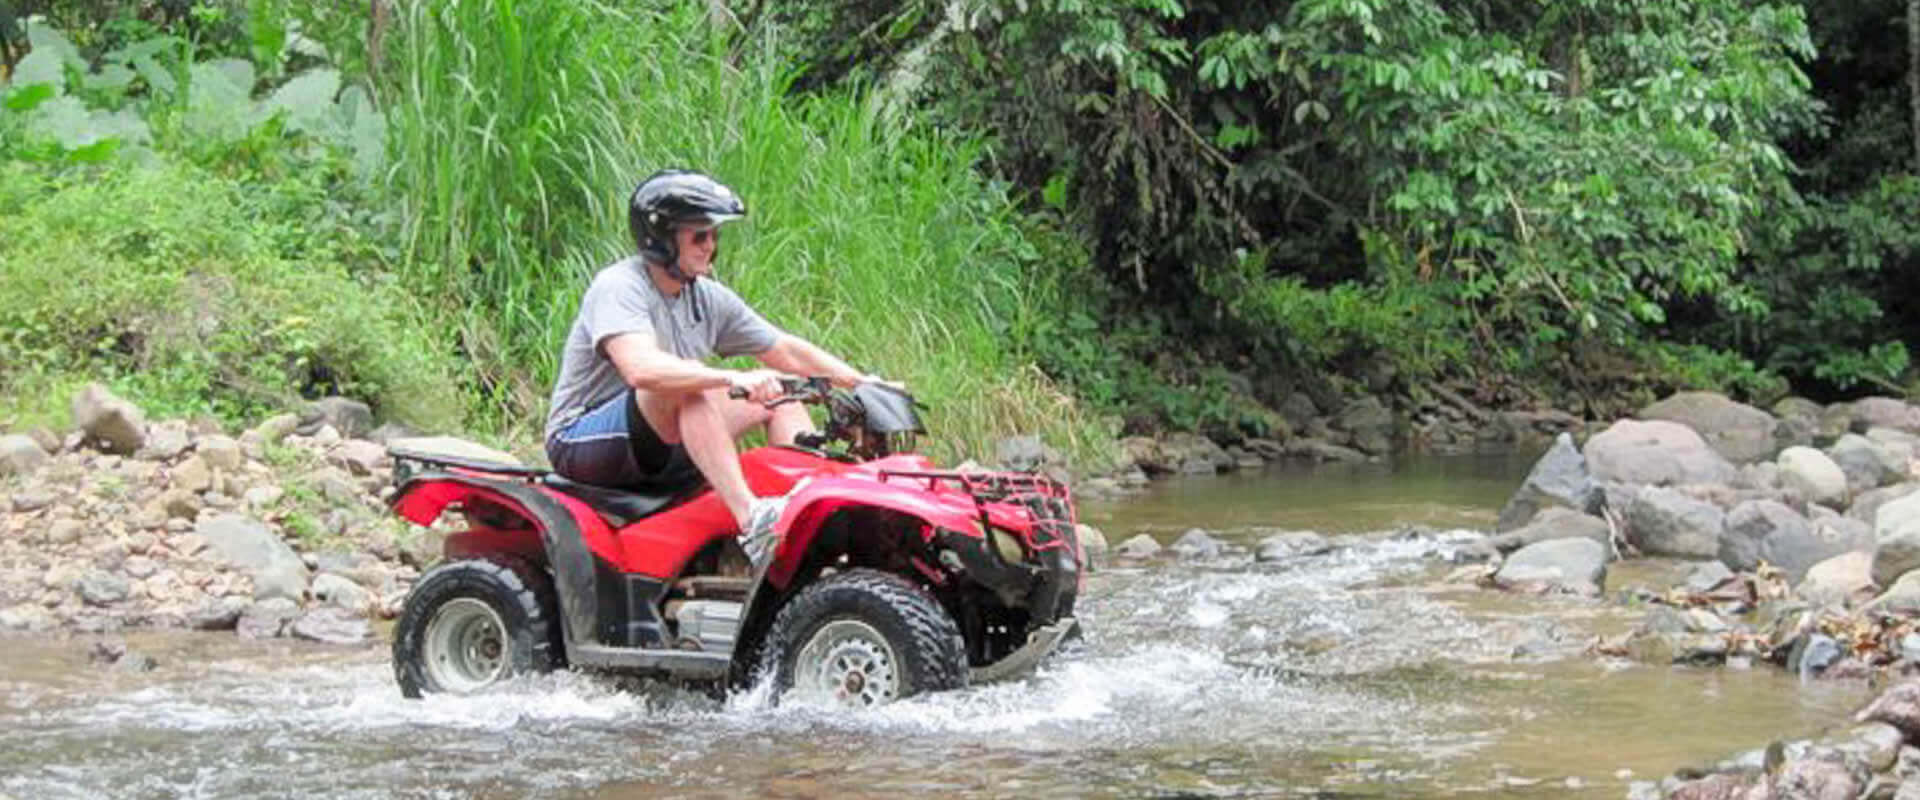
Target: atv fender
{"x":572,"y":536}
{"x":816,"y":501}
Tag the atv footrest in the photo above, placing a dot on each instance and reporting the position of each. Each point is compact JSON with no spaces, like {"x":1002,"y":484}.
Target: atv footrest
{"x":1039,"y":644}
{"x":681,"y":663}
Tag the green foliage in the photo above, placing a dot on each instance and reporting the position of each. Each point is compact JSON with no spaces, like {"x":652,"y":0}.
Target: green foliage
{"x":165,"y":281}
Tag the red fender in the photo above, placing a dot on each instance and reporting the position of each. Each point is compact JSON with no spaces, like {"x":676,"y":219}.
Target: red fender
{"x":817,"y":499}
{"x":422,"y":501}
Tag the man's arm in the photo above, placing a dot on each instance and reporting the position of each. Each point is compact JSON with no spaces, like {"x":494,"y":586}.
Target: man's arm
{"x":644,"y":366}
{"x":794,"y":355}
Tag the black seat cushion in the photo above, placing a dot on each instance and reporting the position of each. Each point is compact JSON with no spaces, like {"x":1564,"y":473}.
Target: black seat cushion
{"x":622,"y":507}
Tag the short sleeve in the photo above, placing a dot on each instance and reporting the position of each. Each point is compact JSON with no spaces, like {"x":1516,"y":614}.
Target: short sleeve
{"x":611,"y":308}
{"x":738,"y":330}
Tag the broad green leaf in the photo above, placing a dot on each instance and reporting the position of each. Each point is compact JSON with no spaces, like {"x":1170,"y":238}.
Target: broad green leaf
{"x":307,"y":100}
{"x":42,"y":68}
{"x":27,"y":98}
{"x":112,"y":78}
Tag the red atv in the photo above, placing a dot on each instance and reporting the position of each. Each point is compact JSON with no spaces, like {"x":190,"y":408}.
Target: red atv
{"x":887,"y":578}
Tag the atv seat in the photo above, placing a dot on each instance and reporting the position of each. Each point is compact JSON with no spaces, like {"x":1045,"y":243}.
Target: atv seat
{"x":620,"y":507}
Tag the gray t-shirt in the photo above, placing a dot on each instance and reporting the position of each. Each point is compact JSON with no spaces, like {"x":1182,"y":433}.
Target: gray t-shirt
{"x":706,"y":319}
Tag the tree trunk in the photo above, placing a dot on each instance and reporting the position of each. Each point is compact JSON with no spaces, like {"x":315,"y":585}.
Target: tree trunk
{"x":1913,"y":74}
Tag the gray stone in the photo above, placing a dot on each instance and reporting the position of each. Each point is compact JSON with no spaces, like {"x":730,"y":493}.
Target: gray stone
{"x":330,"y":626}
{"x":221,"y":453}
{"x":1737,"y":431}
{"x":260,"y":497}
{"x":100,"y":588}
{"x":21,"y":455}
{"x":1838,"y":580}
{"x":1655,"y":452}
{"x":336,"y":486}
{"x":166,"y":440}
{"x":1898,"y":706}
{"x":1815,"y":779}
{"x":1666,"y":522}
{"x":1140,"y":546}
{"x":1707,"y":576}
{"x":1763,"y":530}
{"x":1896,"y":534}
{"x":1093,"y":542}
{"x":139,"y":567}
{"x":1197,"y":543}
{"x":266,"y":619}
{"x":361,"y":457}
{"x":117,"y":425}
{"x":1867,"y":464}
{"x":1555,"y":522}
{"x":1866,"y":506}
{"x":1903,"y":597}
{"x":1021,"y":453}
{"x":1885,"y":412}
{"x":1291,"y":544}
{"x":1370,"y":424}
{"x":1322,"y":450}
{"x":276,"y":570}
{"x":221,"y":614}
{"x":1576,"y":565}
{"x":1814,"y":475}
{"x":31,"y":499}
{"x":347,"y":417}
{"x":193,"y":475}
{"x":1765,"y":476}
{"x":342,"y":593}
{"x":1558,"y":479}
{"x":1195,"y":454}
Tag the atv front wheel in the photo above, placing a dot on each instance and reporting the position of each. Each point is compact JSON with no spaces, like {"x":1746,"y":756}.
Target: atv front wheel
{"x":863,"y":638}
{"x":471,"y":624}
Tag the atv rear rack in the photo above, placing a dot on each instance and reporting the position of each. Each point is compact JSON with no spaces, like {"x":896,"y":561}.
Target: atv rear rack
{"x":1048,"y":501}
{"x":408,"y":462}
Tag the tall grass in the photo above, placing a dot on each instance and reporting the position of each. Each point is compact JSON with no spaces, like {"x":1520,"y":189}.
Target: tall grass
{"x":519,"y":126}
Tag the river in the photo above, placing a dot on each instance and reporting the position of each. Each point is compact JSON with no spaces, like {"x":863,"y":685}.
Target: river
{"x":1351,"y":674}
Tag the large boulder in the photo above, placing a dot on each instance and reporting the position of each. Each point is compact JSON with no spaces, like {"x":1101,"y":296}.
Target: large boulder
{"x":21,"y":455}
{"x":1867,"y":463}
{"x":1866,"y":506}
{"x":1800,"y":422}
{"x":1885,"y":412}
{"x":349,"y":417}
{"x":1655,"y":452}
{"x":1763,"y":530}
{"x":1370,"y":424}
{"x":1554,"y":523}
{"x":1558,"y":479}
{"x":1738,"y":431}
{"x":1896,"y":536}
{"x":1667,"y":522}
{"x":1574,"y":565}
{"x":1815,"y":476}
{"x":277,"y":571}
{"x":1839,"y":580}
{"x":116,"y":425}
{"x":1195,"y":454}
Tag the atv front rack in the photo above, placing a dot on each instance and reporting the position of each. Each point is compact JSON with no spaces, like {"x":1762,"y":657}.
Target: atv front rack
{"x":1046,"y":500}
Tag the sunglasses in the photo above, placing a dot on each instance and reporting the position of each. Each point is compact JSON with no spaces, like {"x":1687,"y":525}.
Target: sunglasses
{"x":701,"y":236}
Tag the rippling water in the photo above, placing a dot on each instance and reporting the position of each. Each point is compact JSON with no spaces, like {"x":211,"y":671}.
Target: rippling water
{"x":1351,"y":674}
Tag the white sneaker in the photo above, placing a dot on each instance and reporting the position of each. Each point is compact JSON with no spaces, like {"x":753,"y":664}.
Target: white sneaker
{"x":758,"y":538}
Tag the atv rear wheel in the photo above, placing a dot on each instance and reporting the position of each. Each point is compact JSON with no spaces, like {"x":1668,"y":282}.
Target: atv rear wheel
{"x":863,"y":638}
{"x":471,"y":624}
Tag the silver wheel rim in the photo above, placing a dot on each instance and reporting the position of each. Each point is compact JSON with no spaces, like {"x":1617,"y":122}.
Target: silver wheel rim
{"x":850,"y":662}
{"x":466,"y":646}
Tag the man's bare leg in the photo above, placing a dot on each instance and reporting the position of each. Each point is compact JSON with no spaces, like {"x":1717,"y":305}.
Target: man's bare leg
{"x":706,"y":424}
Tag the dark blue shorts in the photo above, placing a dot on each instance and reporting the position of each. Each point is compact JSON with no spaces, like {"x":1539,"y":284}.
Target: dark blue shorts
{"x":612,"y":445}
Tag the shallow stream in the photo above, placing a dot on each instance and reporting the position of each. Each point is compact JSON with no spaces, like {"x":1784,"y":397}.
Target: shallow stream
{"x":1351,"y":674}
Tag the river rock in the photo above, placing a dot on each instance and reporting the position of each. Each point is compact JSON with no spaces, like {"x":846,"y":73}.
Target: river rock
{"x":330,"y":626}
{"x":118,"y":426}
{"x":1141,"y":546}
{"x":1559,"y":479}
{"x":1370,"y":424}
{"x":1707,"y":576}
{"x":1814,"y":475}
{"x":1574,"y":565}
{"x":1737,"y":431}
{"x":1666,"y":522}
{"x":1903,"y":597}
{"x":1815,"y":779}
{"x":1763,"y":530}
{"x":166,"y":440}
{"x":1838,"y":581}
{"x":267,"y":619}
{"x":277,"y":572}
{"x":28,"y":617}
{"x":1896,"y":533}
{"x":21,"y":455}
{"x":1282,"y":545}
{"x":1093,"y":542}
{"x":32,"y":498}
{"x":341,"y":593}
{"x":1556,"y":522}
{"x":193,"y":475}
{"x":1867,"y":464}
{"x":1885,"y":412}
{"x":1197,"y":543}
{"x":1322,"y":450}
{"x":361,"y":457}
{"x":347,"y":417}
{"x":102,"y":588}
{"x":221,"y":614}
{"x":1194,"y":454}
{"x":1866,"y":506}
{"x":1655,"y":452}
{"x":221,"y":453}
{"x":1898,"y":706}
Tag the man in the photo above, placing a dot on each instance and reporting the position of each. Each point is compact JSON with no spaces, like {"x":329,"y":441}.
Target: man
{"x":634,"y":401}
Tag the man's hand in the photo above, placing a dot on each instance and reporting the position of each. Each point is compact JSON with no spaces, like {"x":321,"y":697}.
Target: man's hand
{"x":760,"y":385}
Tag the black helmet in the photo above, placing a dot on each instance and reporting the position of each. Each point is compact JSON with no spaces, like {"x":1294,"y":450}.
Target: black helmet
{"x":677,"y":198}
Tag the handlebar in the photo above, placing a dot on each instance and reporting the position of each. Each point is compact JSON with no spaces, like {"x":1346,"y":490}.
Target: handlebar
{"x":792,"y":390}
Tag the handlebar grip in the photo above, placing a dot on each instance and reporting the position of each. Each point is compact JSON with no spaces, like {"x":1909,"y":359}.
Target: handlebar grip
{"x":737,"y":393}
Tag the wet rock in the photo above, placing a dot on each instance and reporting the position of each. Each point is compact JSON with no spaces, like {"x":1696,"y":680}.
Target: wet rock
{"x":330,"y":626}
{"x":1139,"y":547}
{"x":347,"y":417}
{"x":266,"y":619}
{"x":1555,"y":522}
{"x":1194,"y":454}
{"x":1666,"y":522}
{"x":275,"y":569}
{"x":1655,"y":452}
{"x":117,"y":425}
{"x":1370,"y":424}
{"x":1763,"y":530}
{"x":221,"y":614}
{"x":1283,"y":545}
{"x":1815,"y":779}
{"x":1814,"y":475}
{"x":1707,"y":576}
{"x":100,"y":588}
{"x":1141,"y":451}
{"x":1574,"y":565}
{"x":1813,"y":654}
{"x":1197,"y":543}
{"x":1712,"y":787}
{"x":21,"y":455}
{"x":106,"y":651}
{"x":1558,"y":479}
{"x":1896,"y":533}
{"x":1321,"y":450}
{"x":1737,"y":431}
{"x":1867,"y":464}
{"x":341,"y":593}
{"x":1838,"y":581}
